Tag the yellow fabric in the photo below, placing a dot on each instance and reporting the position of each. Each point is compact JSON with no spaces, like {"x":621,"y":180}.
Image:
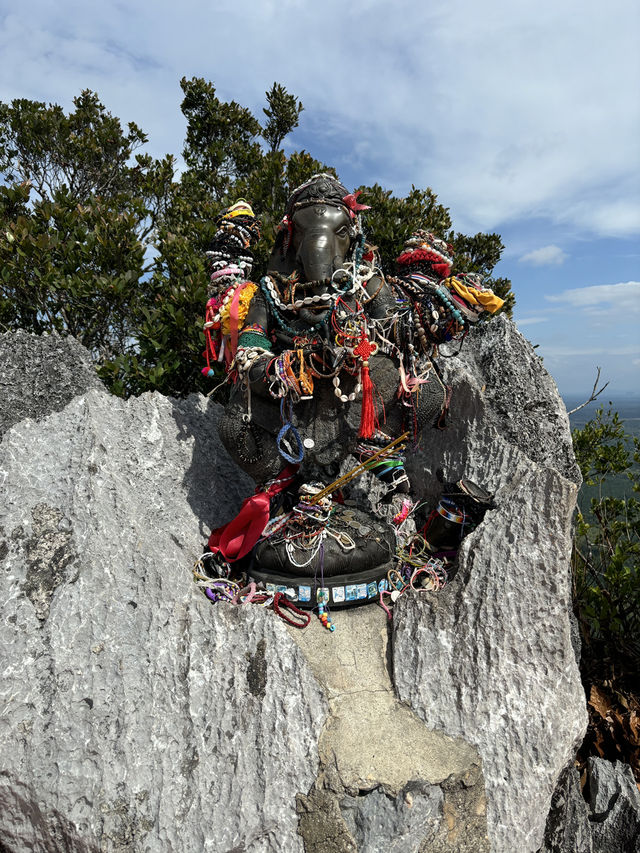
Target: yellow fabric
{"x":247,"y":294}
{"x":240,"y":208}
{"x":485,"y":298}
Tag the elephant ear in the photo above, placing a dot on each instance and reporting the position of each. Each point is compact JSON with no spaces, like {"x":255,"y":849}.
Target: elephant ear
{"x":280,"y":261}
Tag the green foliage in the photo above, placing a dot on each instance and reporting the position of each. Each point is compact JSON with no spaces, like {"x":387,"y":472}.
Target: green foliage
{"x":283,"y":115}
{"x":103,"y":242}
{"x":606,"y":557}
{"x":72,"y":268}
{"x":86,"y":153}
{"x":221,"y":144}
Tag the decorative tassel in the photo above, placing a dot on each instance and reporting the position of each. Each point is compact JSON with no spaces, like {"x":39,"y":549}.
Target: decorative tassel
{"x":401,"y":516}
{"x":364,"y":350}
{"x":368,"y":414}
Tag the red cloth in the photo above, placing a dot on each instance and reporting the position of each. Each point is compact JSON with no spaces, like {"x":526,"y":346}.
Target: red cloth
{"x":235,"y":539}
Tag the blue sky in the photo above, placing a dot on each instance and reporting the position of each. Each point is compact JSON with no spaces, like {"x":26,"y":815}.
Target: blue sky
{"x":523,"y":117}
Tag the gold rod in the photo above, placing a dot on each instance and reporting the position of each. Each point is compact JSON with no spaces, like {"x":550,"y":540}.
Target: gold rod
{"x":355,"y":471}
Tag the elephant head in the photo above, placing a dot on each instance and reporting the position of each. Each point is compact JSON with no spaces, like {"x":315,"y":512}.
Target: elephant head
{"x":318,"y":232}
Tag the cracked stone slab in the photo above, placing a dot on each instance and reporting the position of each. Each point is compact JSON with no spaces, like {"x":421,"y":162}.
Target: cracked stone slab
{"x":135,"y":715}
{"x":370,"y":737}
{"x":387,"y":781}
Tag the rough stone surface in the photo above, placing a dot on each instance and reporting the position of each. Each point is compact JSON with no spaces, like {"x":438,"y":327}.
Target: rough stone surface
{"x":402,"y":824}
{"x":134,"y":715}
{"x":387,"y":782}
{"x":351,"y":666}
{"x":521,"y":399}
{"x":489,"y":659}
{"x":615,"y":807}
{"x":40,"y":375}
{"x":568,"y":829}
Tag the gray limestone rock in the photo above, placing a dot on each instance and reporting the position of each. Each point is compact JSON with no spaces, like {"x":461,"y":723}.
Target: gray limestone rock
{"x":615,"y":807}
{"x":568,"y":829}
{"x":137,"y":716}
{"x":41,"y":374}
{"x":387,"y":782}
{"x":134,"y":714}
{"x":401,"y":824}
{"x":489,"y":658}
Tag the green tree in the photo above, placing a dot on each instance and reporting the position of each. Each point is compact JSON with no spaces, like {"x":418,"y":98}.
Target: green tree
{"x":77,"y":215}
{"x":283,"y":114}
{"x":606,"y":556}
{"x":86,"y":152}
{"x":100,"y":240}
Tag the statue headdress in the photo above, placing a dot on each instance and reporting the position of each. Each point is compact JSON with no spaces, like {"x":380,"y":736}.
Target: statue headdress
{"x":322,"y":188}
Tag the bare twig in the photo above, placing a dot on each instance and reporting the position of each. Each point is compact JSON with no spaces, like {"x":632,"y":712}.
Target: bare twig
{"x":595,"y":393}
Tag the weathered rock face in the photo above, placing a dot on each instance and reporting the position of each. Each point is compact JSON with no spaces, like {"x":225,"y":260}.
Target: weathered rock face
{"x":386,"y":782}
{"x":490,"y":659}
{"x":568,"y":829}
{"x":39,"y":375}
{"x":609,"y":821}
{"x":137,"y":716}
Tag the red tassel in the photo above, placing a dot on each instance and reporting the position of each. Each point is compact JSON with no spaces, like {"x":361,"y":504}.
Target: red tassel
{"x":364,"y":350}
{"x":368,"y":414}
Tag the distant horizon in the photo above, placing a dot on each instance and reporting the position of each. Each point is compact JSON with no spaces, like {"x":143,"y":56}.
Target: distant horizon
{"x":616,"y":393}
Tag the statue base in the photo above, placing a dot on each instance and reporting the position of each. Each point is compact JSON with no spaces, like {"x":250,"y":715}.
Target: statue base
{"x":347,"y":590}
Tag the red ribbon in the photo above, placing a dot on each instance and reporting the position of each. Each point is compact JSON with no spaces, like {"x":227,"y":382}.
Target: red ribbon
{"x":353,"y":204}
{"x":235,"y":539}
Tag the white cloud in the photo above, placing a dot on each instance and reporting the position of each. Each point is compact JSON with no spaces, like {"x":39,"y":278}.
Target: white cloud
{"x":622,"y":298}
{"x":545,"y":256}
{"x":507,"y":110}
{"x":531,"y":321}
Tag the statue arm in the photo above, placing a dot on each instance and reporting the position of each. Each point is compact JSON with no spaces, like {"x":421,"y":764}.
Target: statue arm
{"x":258,"y":318}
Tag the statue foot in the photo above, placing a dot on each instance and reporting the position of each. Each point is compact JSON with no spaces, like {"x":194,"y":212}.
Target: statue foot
{"x":323,"y":540}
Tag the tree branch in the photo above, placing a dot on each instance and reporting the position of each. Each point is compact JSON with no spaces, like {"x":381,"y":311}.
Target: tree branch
{"x":595,"y":393}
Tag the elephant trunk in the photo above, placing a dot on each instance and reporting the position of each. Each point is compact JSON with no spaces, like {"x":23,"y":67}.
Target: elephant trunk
{"x":317,"y":256}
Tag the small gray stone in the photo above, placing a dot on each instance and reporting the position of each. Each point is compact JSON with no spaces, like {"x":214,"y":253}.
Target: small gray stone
{"x":568,"y":829}
{"x":402,"y":824}
{"x":615,"y":807}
